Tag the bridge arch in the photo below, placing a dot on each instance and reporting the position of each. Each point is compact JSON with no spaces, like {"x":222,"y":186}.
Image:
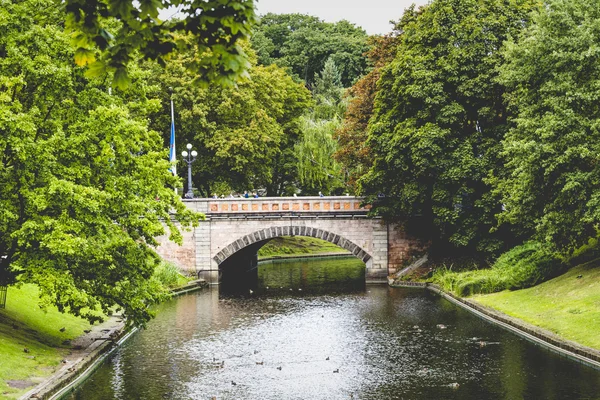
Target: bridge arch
{"x":278,"y":231}
{"x":235,"y":228}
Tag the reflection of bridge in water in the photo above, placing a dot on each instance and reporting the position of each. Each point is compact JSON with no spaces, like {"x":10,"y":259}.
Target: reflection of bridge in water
{"x":235,"y":229}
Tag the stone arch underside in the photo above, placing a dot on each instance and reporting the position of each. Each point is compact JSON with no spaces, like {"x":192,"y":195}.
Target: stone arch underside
{"x":278,"y":231}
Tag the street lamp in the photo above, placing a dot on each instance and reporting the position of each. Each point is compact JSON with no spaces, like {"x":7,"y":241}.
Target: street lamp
{"x":189,"y":158}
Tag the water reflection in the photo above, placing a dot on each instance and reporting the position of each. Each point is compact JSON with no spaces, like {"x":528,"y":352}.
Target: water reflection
{"x":353,"y":341}
{"x":311,"y":276}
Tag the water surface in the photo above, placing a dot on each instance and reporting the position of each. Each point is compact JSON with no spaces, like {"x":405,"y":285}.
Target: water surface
{"x":302,"y":334}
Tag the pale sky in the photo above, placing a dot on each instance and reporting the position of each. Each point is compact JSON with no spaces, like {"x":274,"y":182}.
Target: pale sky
{"x":372,"y":15}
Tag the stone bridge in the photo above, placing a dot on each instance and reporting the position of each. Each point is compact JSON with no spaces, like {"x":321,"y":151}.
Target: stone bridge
{"x":235,"y":229}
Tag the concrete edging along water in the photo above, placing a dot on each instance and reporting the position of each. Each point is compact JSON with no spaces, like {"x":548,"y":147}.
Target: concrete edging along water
{"x":76,"y":371}
{"x":82,"y":360}
{"x":85,"y":370}
{"x":536,"y":335}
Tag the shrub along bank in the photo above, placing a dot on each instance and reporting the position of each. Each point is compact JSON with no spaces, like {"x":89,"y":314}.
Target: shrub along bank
{"x":522,"y":267}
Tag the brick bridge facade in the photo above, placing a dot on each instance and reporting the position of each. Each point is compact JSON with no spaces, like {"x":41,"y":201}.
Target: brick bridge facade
{"x":235,"y":229}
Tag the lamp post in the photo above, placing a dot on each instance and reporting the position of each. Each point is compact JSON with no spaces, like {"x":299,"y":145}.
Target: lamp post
{"x":189,"y":158}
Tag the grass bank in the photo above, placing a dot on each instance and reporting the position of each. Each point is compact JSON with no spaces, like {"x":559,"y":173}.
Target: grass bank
{"x":32,"y":340}
{"x":297,"y":245}
{"x":532,"y":283}
{"x":568,"y":305}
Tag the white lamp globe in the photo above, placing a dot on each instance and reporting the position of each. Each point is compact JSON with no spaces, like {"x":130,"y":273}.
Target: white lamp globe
{"x":189,"y":146}
{"x":184,"y":153}
{"x":194,"y":153}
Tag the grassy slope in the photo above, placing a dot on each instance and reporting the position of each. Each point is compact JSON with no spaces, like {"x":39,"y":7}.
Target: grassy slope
{"x":24,"y":325}
{"x":297,"y":245}
{"x":566,"y":305}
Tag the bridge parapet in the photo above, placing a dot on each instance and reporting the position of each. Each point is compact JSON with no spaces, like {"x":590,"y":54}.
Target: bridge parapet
{"x":295,"y":205}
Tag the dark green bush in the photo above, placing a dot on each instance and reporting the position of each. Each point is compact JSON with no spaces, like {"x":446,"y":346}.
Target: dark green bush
{"x":521,"y":267}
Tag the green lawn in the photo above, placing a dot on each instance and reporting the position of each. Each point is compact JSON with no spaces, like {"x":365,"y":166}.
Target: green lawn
{"x":566,"y":305}
{"x":23,"y":325}
{"x":297,"y":245}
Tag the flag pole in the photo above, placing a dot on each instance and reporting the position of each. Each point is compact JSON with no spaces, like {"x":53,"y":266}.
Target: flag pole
{"x":172,"y":152}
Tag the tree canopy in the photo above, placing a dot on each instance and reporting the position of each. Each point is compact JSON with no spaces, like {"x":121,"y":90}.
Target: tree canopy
{"x":439,"y":119}
{"x":552,"y":76}
{"x":216,"y":26}
{"x":318,"y":171}
{"x":304,"y":43}
{"x":353,"y":151}
{"x":84,"y":184}
{"x":246,"y":132}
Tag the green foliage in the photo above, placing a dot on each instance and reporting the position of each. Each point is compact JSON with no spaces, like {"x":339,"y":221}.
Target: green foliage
{"x":586,"y":253}
{"x":328,"y":57}
{"x":328,"y":93}
{"x":246,"y":133}
{"x":521,"y":267}
{"x":304,"y":43}
{"x":216,"y":26}
{"x":552,"y":75}
{"x":297,"y":245}
{"x":168,"y":275}
{"x":438,"y":121}
{"x":317,"y":168}
{"x":84,"y":184}
{"x":353,"y":151}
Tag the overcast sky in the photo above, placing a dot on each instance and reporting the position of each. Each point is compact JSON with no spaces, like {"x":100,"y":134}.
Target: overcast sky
{"x":372,"y":15}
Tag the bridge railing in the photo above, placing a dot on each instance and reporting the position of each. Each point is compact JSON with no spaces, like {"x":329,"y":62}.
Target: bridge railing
{"x":296,"y":205}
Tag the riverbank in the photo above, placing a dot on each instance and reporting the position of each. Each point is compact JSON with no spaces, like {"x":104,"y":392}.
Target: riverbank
{"x":91,"y":349}
{"x":568,"y":305}
{"x":87,"y":350}
{"x":305,"y":255}
{"x":34,"y":342}
{"x":43,"y":349}
{"x":564,"y":312}
{"x":298,"y":246}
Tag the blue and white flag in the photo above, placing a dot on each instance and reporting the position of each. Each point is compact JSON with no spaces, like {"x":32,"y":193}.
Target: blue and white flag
{"x":172,"y":154}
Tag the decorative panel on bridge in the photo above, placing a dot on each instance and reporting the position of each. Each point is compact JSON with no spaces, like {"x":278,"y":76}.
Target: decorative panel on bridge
{"x":286,"y":204}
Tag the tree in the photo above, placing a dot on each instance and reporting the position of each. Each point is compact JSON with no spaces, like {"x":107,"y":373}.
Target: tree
{"x":438,"y":122}
{"x":328,"y":93}
{"x":317,"y":169}
{"x":353,"y":151}
{"x":552,"y":76}
{"x":84,"y":184}
{"x":304,"y":43}
{"x":246,"y":133}
{"x":215,"y":25}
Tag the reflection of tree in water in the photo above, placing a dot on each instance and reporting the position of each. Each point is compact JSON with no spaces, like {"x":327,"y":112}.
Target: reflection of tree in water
{"x":312,"y":275}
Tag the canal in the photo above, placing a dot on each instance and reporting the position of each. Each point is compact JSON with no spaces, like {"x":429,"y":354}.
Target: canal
{"x":313,"y":330}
